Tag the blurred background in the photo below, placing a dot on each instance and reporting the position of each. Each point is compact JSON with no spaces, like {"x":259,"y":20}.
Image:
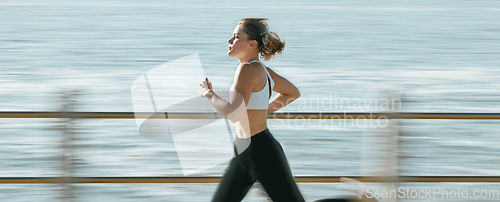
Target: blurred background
{"x":435,"y":56}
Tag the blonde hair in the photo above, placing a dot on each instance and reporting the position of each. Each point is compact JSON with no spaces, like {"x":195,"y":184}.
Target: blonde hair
{"x":269,"y":42}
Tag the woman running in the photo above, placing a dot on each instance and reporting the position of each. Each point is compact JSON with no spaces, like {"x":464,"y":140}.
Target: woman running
{"x":258,"y":155}
{"x":263,"y":159}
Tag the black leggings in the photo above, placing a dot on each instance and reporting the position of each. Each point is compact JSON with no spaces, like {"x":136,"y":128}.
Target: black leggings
{"x":263,"y":160}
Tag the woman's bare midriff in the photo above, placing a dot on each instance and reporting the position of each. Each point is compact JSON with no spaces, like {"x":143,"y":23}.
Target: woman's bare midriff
{"x":257,"y":120}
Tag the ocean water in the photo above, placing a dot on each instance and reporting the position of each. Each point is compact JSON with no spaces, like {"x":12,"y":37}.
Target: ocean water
{"x":345,"y":56}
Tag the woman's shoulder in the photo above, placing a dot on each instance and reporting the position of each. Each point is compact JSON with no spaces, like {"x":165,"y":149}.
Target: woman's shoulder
{"x":249,"y":69}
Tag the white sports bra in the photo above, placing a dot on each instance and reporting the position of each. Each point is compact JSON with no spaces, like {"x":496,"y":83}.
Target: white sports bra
{"x":260,"y":99}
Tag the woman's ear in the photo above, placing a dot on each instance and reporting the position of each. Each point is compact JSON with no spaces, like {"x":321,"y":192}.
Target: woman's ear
{"x":253,"y":43}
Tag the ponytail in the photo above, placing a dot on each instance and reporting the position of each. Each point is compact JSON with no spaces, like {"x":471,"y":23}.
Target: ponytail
{"x":271,"y":45}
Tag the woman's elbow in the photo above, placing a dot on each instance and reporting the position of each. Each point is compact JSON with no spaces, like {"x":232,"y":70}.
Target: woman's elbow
{"x":236,"y":112}
{"x":296,"y":95}
{"x":293,"y":95}
{"x":231,"y":116}
{"x":233,"y":120}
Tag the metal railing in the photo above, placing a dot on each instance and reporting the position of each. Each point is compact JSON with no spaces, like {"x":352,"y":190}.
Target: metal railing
{"x":205,"y":179}
{"x":283,"y":115}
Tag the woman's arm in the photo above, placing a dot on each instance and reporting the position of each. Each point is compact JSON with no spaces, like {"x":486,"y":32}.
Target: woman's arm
{"x":287,"y":92}
{"x":240,"y":93}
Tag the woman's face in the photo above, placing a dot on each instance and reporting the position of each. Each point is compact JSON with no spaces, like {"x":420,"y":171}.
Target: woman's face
{"x":239,"y":44}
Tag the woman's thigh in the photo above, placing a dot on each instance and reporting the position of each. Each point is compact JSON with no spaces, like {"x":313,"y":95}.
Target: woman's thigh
{"x":276,"y":177}
{"x":235,"y":182}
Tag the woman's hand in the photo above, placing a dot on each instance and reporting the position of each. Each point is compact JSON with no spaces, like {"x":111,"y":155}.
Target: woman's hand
{"x":205,"y":89}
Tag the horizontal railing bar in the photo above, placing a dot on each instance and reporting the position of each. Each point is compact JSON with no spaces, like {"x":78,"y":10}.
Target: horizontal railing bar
{"x":300,"y":179}
{"x":280,"y":115}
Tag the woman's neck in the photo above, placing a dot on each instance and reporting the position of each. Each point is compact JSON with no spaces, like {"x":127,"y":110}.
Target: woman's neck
{"x":249,"y":58}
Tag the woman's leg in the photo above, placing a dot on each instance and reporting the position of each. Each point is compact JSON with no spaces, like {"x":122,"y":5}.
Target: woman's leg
{"x":276,"y":176}
{"x":236,"y":181}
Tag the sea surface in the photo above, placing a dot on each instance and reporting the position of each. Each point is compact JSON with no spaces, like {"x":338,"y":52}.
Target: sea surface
{"x":345,"y":56}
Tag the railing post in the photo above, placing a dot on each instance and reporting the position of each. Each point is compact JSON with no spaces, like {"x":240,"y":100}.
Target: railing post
{"x":68,"y":103}
{"x":380,"y":155}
